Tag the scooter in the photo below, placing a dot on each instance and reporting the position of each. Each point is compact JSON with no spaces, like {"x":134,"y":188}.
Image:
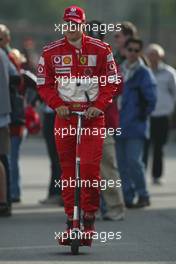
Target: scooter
{"x":76,"y":231}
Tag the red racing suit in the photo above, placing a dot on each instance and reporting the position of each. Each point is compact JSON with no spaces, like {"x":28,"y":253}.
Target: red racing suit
{"x":64,"y":75}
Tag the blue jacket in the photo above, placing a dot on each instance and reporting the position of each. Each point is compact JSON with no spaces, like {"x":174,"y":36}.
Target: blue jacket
{"x":138,"y":101}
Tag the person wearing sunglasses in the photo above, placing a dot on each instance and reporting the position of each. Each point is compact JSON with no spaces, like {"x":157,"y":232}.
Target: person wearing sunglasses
{"x":138,"y":101}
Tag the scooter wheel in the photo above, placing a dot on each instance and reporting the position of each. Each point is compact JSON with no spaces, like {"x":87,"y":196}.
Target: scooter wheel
{"x":75,"y":247}
{"x":75,"y":243}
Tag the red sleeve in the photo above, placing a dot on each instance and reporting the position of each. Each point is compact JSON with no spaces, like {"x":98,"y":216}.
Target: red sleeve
{"x":112,"y":87}
{"x":121,"y":83}
{"x":47,"y":87}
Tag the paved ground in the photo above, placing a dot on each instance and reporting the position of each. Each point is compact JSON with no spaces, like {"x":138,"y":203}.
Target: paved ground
{"x":148,"y":236}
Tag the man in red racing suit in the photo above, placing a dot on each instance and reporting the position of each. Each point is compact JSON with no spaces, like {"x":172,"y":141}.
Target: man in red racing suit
{"x":78,"y":73}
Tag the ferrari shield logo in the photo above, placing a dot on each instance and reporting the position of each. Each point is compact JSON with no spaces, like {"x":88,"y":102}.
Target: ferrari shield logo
{"x":83,"y":60}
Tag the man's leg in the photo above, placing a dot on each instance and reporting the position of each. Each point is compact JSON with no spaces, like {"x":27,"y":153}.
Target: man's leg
{"x":5,"y":208}
{"x":66,"y":147}
{"x":5,"y":161}
{"x":4,"y":150}
{"x":3,"y":191}
{"x":159,"y":133}
{"x":157,"y":165}
{"x":48,"y":128}
{"x":156,"y":147}
{"x":91,"y":154}
{"x":112,"y":195}
{"x":136,"y":166}
{"x":146,"y":152}
{"x":127,"y":184}
{"x":14,"y":168}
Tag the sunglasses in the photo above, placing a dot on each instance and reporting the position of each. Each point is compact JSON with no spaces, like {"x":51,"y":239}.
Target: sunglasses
{"x":133,"y":50}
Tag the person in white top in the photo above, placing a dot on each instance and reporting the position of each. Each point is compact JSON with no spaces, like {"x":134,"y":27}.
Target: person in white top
{"x":166,"y":97}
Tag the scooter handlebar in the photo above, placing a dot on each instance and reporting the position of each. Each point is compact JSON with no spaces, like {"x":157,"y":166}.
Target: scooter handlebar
{"x":78,"y":113}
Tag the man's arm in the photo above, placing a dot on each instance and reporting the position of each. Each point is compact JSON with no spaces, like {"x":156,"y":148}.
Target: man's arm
{"x":14,"y":77}
{"x":148,"y":91}
{"x":13,"y":73}
{"x":113,"y":84}
{"x":172,"y":84}
{"x":6,"y":61}
{"x":47,"y":87}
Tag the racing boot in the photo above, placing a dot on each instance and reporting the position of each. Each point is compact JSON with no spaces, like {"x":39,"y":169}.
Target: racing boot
{"x":89,"y":229}
{"x":64,"y":238}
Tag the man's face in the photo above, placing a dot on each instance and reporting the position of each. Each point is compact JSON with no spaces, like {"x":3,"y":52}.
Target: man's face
{"x":4,"y":39}
{"x":73,"y":31}
{"x":120,"y":39}
{"x":133,"y":52}
{"x":153,"y":57}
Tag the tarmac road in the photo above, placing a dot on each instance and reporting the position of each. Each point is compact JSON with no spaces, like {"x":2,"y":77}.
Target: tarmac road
{"x":148,"y":235}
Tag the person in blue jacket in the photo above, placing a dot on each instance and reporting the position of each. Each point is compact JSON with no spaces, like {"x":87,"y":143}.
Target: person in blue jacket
{"x":137,"y":103}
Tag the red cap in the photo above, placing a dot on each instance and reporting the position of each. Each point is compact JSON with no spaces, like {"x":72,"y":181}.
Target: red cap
{"x":75,"y":14}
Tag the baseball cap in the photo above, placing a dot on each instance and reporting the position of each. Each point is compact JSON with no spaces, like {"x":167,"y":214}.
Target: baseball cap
{"x":75,"y":14}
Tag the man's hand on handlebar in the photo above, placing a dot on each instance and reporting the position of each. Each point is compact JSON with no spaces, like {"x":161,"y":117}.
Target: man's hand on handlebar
{"x":92,"y":112}
{"x":63,"y":112}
